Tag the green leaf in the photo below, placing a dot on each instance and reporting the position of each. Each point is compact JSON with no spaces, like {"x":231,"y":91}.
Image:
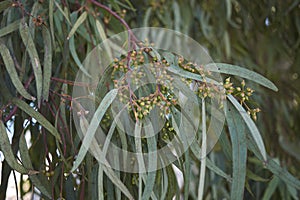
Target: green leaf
{"x":5,"y":4}
{"x":110,"y":173}
{"x":63,"y":13}
{"x":187,"y":174}
{"x":75,"y":57}
{"x":26,"y":160}
{"x":79,"y":21}
{"x":271,"y":188}
{"x":47,"y":62}
{"x":91,"y":129}
{"x":273,"y":166}
{"x":100,"y":182}
{"x":51,"y":6}
{"x":251,"y":126}
{"x":241,"y":72}
{"x":34,"y":13}
{"x":38,"y":116}
{"x":203,"y":153}
{"x":35,"y":61}
{"x":152,"y":164}
{"x":197,"y":152}
{"x":103,"y":38}
{"x":10,"y":67}
{"x":255,"y":177}
{"x":239,"y":151}
{"x":186,"y":74}
{"x":8,"y":152}
{"x":10,"y":28}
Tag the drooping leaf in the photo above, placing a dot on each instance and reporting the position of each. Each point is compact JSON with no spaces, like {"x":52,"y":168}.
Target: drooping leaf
{"x":47,"y":70}
{"x":51,"y":6}
{"x":203,"y":153}
{"x":92,"y":127}
{"x":35,"y":61}
{"x":79,"y":21}
{"x":271,"y":188}
{"x":10,"y":28}
{"x":8,"y":152}
{"x":241,"y":72}
{"x":26,"y":160}
{"x":239,"y":151}
{"x":152,"y":164}
{"x":5,"y":4}
{"x":251,"y":126}
{"x":38,"y":116}
{"x":10,"y":67}
{"x":76,"y":58}
{"x":273,"y":166}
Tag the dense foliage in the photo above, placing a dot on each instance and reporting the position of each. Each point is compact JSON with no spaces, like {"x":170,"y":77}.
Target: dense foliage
{"x":43,"y":44}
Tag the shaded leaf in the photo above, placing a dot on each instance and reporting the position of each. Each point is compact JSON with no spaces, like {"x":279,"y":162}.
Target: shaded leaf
{"x":10,"y":28}
{"x":8,"y":152}
{"x":43,"y":187}
{"x":271,"y":188}
{"x":47,"y":70}
{"x":239,"y":151}
{"x":4,"y":5}
{"x":10,"y":67}
{"x":35,"y":61}
{"x":38,"y":116}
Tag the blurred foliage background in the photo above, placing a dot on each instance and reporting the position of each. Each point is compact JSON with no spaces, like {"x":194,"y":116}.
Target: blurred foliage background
{"x":261,"y":35}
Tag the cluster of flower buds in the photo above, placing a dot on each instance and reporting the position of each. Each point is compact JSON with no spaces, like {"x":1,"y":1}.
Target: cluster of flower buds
{"x":242,"y":93}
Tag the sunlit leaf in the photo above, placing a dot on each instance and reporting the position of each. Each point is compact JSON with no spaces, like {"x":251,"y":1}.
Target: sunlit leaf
{"x":241,"y":72}
{"x":92,"y":127}
{"x":79,"y":21}
{"x":251,"y":126}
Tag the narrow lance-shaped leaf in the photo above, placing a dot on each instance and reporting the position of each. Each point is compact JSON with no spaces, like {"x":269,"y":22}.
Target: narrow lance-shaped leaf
{"x":140,"y":159}
{"x":251,"y":126}
{"x":7,"y":151}
{"x":4,"y":5}
{"x":10,"y":67}
{"x":47,"y":62}
{"x":203,"y":153}
{"x":79,"y":21}
{"x":241,"y":72}
{"x":51,"y":21}
{"x":75,"y":57}
{"x":105,"y":165}
{"x":269,"y":191}
{"x":273,"y":166}
{"x":152,"y":165}
{"x":38,"y":116}
{"x":237,"y":133}
{"x":10,"y":28}
{"x":62,"y":12}
{"x":91,"y":130}
{"x":24,"y":153}
{"x":103,"y":38}
{"x":35,"y":61}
